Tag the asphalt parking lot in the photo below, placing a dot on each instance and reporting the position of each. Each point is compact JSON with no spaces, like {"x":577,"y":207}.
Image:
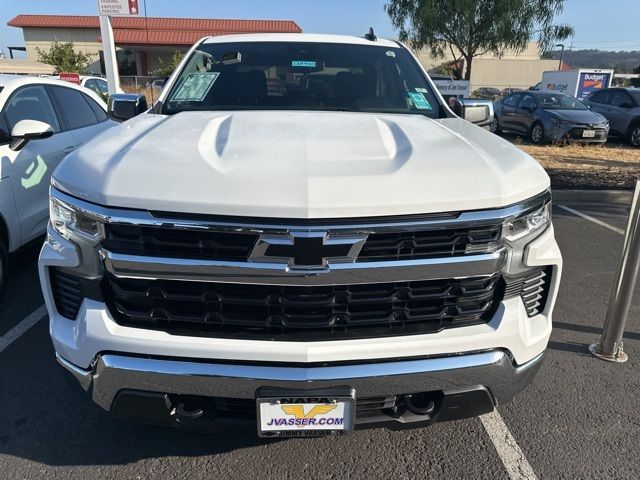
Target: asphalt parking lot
{"x":580,"y":418}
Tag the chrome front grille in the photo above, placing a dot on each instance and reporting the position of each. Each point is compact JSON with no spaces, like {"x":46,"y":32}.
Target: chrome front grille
{"x":382,"y":243}
{"x":201,"y":275}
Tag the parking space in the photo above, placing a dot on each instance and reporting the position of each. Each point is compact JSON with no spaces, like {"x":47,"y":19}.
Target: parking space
{"x":578,"y":420}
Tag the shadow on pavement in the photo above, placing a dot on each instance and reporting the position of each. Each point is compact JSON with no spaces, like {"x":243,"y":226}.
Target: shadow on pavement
{"x":588,"y":329}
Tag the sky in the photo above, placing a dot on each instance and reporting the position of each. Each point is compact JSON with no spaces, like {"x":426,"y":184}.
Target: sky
{"x":611,"y":27}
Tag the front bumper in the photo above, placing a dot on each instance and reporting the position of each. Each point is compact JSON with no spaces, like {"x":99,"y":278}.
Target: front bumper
{"x":150,"y":388}
{"x":573,"y":133}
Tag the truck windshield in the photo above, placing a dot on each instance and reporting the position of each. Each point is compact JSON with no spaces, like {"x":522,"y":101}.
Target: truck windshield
{"x":559,"y":101}
{"x":302,"y":76}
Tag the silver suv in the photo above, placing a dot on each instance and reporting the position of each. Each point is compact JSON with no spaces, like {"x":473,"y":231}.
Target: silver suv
{"x":621,"y":106}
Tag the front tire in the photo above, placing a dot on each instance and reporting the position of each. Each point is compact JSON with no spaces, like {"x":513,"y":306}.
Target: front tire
{"x":634,"y":135}
{"x":495,"y":126}
{"x":537,"y":135}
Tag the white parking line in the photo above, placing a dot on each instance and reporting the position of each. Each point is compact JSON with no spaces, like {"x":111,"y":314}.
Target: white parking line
{"x":17,"y":331}
{"x":591,"y":219}
{"x":513,"y":459}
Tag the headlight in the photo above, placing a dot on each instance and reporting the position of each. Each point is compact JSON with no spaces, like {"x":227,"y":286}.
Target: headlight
{"x":68,"y":221}
{"x":528,"y":224}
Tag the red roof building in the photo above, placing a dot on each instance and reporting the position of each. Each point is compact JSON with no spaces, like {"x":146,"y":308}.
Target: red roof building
{"x":143,"y":44}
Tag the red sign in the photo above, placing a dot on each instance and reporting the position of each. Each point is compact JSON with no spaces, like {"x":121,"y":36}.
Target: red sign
{"x":70,"y":77}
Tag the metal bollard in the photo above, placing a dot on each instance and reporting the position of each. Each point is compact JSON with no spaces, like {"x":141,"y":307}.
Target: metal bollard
{"x":610,"y":346}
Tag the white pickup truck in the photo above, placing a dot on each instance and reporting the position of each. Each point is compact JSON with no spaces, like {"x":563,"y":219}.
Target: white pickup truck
{"x":302,"y":238}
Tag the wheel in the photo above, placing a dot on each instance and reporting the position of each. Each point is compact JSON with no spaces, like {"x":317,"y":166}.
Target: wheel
{"x":537,"y":133}
{"x":495,"y":126}
{"x":634,"y":135}
{"x":4,"y":265}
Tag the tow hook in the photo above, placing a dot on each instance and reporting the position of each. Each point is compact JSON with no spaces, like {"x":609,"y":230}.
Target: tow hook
{"x":420,"y":404}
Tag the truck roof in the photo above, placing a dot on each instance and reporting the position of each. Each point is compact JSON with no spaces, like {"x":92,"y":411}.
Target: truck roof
{"x":301,"y":37}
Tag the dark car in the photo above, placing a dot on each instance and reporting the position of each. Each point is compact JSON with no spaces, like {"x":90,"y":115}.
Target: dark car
{"x":549,"y":116}
{"x":509,"y":91}
{"x":487,"y":93}
{"x":621,"y":106}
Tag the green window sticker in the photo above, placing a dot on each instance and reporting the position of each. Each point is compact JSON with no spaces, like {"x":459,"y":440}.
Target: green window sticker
{"x":419,"y":100}
{"x":195,"y":87}
{"x":303,"y":63}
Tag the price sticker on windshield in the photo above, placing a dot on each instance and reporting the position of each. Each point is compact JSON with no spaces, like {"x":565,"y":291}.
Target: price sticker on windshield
{"x":195,"y":87}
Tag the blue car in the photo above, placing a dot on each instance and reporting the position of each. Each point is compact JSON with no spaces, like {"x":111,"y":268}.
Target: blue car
{"x":549,"y":117}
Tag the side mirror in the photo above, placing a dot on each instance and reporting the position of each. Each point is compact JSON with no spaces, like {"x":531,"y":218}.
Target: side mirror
{"x":123,"y":106}
{"x":26,"y":130}
{"x":476,"y":111}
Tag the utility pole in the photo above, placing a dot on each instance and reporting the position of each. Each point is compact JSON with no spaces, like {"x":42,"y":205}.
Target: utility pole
{"x":561,"y":45}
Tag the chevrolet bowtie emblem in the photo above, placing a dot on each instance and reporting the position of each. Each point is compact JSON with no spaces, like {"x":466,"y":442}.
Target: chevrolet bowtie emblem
{"x":307,"y":250}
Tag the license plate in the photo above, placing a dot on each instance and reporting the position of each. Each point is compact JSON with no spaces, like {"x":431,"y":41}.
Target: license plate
{"x":295,"y":416}
{"x":588,"y":133}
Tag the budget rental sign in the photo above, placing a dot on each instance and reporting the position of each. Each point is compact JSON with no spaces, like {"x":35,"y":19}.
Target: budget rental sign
{"x":588,"y":82}
{"x":118,"y":7}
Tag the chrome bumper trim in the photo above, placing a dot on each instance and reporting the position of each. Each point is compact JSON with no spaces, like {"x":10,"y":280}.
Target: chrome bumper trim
{"x":133,"y":266}
{"x":124,"y":216}
{"x":494,"y":370}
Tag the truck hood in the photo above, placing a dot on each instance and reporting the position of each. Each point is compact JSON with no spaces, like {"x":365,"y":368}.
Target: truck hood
{"x":299,"y":165}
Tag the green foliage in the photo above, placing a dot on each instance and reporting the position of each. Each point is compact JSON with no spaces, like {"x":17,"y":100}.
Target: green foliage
{"x":468,"y":28}
{"x":64,"y":58}
{"x":166,"y":68}
{"x":447,"y":68}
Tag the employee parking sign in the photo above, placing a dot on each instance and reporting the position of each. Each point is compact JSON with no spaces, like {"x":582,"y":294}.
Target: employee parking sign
{"x":118,"y":7}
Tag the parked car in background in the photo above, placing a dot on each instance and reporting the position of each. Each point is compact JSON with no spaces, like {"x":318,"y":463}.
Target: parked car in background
{"x":545,"y":116}
{"x":488,"y":93}
{"x":157,"y":85}
{"x":97,"y":84}
{"x":509,"y":91}
{"x":41,"y":121}
{"x":621,"y":106}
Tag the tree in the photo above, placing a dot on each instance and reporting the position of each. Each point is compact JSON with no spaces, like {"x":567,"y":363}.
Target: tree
{"x":468,"y":28}
{"x":448,"y":68}
{"x":166,"y":69}
{"x":65,"y":58}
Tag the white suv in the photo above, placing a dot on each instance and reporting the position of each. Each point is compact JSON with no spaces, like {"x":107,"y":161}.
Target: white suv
{"x":301,"y":237}
{"x":41,"y":121}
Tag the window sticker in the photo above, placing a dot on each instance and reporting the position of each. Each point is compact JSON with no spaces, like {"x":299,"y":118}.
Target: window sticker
{"x":421,"y":90}
{"x":391,"y":53}
{"x":195,"y":87}
{"x":419,"y":101}
{"x":303,"y":63}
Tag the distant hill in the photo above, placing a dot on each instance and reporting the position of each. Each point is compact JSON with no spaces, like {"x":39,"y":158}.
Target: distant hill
{"x":622,"y":62}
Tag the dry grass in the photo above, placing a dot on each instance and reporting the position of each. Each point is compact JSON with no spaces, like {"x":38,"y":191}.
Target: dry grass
{"x":614,"y":165}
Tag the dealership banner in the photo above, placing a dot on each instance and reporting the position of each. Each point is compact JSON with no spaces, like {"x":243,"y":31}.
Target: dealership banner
{"x":454,"y":88}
